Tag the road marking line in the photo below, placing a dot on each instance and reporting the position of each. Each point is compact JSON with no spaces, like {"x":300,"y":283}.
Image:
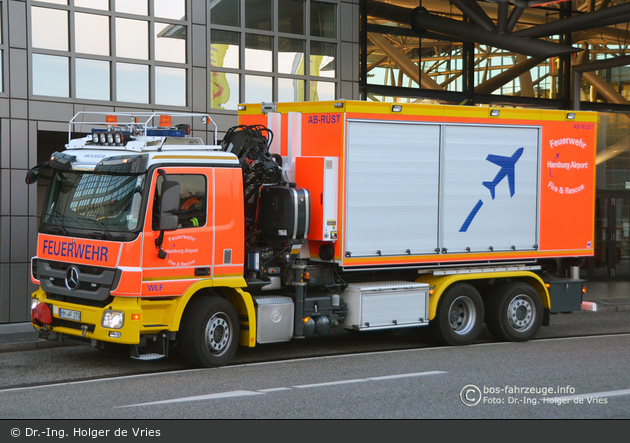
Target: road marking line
{"x":415,"y":374}
{"x":233,"y":394}
{"x":331,"y":383}
{"x":359,"y":380}
{"x":230,"y":394}
{"x":273,"y":390}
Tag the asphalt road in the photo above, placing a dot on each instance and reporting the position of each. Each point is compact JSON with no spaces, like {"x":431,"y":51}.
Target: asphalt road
{"x":379,"y":375}
{"x":72,"y":363}
{"x":582,"y":377}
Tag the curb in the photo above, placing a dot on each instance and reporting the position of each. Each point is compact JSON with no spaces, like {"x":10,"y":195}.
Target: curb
{"x":603,"y":306}
{"x":30,"y":346}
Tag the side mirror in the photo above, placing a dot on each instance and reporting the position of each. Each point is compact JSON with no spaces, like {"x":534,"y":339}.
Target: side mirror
{"x":35,"y":173}
{"x":169,"y":203}
{"x":32,"y":175}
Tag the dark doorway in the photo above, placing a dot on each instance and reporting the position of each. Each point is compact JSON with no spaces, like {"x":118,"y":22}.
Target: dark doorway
{"x":612,"y":237}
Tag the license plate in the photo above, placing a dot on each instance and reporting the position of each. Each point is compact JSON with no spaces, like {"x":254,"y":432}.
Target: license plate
{"x":69,"y":314}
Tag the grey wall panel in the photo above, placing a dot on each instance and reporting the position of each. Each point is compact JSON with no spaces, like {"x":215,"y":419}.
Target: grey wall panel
{"x":19,"y":144}
{"x":19,"y":195}
{"x":346,"y":90}
{"x":347,"y":57}
{"x":355,"y":65}
{"x":19,"y":240}
{"x":199,"y":46}
{"x":199,"y":93}
{"x":17,"y":21}
{"x":18,"y":73}
{"x":5,"y":239}
{"x":5,"y":143}
{"x":32,"y":144}
{"x":5,"y":292}
{"x":346,"y":21}
{"x":19,"y":108}
{"x":56,"y":126}
{"x":5,"y":108}
{"x":198,"y":12}
{"x":356,"y":23}
{"x":20,"y":298}
{"x":52,"y":111}
{"x":5,"y":197}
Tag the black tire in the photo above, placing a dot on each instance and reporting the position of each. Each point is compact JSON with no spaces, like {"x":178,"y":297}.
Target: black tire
{"x":209,"y":332}
{"x":459,"y":316}
{"x":514,"y":312}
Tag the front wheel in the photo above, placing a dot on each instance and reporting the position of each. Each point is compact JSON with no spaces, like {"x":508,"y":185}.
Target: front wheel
{"x":459,"y":316}
{"x":514,"y":312}
{"x":209,"y":332}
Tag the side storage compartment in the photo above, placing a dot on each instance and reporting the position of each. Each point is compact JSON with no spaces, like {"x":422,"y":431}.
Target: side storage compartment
{"x":274,"y":318}
{"x":386,"y":305}
{"x":565,"y":295}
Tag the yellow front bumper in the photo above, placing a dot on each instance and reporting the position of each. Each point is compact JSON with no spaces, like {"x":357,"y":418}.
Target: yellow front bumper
{"x":89,"y":326}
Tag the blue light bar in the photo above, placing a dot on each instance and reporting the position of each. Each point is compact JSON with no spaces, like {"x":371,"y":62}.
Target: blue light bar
{"x":165,"y":133}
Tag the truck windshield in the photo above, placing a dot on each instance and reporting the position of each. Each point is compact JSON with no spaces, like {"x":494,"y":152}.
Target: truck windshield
{"x":101,"y":202}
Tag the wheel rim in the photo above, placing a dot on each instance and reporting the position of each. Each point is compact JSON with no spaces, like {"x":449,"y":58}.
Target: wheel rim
{"x":218,"y":333}
{"x":462,"y":315}
{"x":521,"y":312}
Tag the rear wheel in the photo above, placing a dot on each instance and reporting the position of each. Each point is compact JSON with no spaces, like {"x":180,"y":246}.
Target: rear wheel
{"x":209,"y":332}
{"x":514,"y":312}
{"x":459,"y":316}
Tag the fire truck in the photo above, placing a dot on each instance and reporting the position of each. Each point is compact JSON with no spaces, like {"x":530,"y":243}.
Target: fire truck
{"x":310,"y":217}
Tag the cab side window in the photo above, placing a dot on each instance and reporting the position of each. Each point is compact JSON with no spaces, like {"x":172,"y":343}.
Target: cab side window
{"x":192,"y":211}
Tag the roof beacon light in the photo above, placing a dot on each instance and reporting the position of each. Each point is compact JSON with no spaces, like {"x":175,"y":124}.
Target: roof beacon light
{"x":165,"y":121}
{"x":113,"y":119}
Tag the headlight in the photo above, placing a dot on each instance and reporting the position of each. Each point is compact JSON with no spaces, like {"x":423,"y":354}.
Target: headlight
{"x":34,"y":302}
{"x":113,"y":319}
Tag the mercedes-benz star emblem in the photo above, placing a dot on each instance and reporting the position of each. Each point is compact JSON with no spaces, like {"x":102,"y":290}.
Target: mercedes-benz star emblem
{"x":72,"y":278}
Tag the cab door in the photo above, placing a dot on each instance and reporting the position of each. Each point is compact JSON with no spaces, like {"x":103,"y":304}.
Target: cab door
{"x":188,"y":250}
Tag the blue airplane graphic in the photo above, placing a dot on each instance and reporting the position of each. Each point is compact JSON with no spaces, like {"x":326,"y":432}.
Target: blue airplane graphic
{"x":507,"y":170}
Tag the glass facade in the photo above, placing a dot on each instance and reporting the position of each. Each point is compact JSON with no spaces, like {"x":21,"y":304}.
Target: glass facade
{"x":289,"y":51}
{"x":137,"y":51}
{"x":134,"y":53}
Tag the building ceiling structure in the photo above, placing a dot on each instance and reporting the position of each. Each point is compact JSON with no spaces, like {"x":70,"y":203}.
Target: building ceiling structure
{"x":568,"y":54}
